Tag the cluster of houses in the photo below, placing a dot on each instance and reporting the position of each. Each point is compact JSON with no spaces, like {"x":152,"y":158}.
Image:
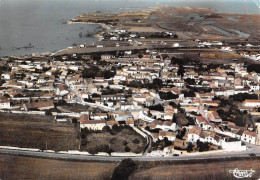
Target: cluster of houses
{"x":125,"y":99}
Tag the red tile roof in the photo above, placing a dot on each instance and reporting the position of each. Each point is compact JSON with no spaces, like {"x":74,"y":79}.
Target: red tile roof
{"x":250,"y":133}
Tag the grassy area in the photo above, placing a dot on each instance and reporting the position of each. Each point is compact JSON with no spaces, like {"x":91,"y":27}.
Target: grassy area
{"x":18,"y":167}
{"x":36,"y":132}
{"x":120,"y":139}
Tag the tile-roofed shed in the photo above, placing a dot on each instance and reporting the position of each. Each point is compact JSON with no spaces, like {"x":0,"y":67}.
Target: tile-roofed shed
{"x":41,"y":105}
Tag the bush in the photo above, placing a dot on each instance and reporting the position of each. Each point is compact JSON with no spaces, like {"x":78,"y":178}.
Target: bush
{"x":189,"y":93}
{"x":136,"y":141}
{"x":116,"y":128}
{"x":202,"y":146}
{"x":254,"y":67}
{"x":190,"y":147}
{"x":106,"y":129}
{"x":48,"y":113}
{"x":127,"y":149}
{"x":100,"y":148}
{"x":243,"y":96}
{"x":168,"y":95}
{"x":157,"y":107}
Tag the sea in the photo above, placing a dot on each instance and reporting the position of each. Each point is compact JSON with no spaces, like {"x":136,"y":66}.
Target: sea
{"x":39,"y":26}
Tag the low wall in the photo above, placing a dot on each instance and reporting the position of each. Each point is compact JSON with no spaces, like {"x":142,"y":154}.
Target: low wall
{"x":78,"y":152}
{"x":29,"y":112}
{"x":24,"y":112}
{"x":126,"y":154}
{"x":206,"y":152}
{"x":17,"y":148}
{"x":66,"y":114}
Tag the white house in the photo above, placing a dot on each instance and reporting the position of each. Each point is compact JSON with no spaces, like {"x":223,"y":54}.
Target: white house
{"x":231,"y":144}
{"x":202,"y":122}
{"x":4,"y":103}
{"x":170,"y":135}
{"x":93,"y":124}
{"x":194,"y":134}
{"x":62,"y":90}
{"x":249,"y":137}
{"x":169,"y":125}
{"x":251,"y":103}
{"x":99,"y":116}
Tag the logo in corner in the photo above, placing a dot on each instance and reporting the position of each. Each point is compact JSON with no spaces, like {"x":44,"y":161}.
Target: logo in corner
{"x":242,"y":173}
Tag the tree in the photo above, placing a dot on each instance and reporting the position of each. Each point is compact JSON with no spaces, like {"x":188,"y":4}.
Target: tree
{"x":202,"y":146}
{"x":243,"y":96}
{"x":74,"y":120}
{"x":157,"y":83}
{"x":181,"y":133}
{"x":116,"y":128}
{"x":106,"y":129}
{"x":167,"y":142}
{"x":91,"y":72}
{"x":48,"y":113}
{"x":189,"y":93}
{"x":190,"y":147}
{"x":181,"y":71}
{"x":2,"y":81}
{"x":140,"y":55}
{"x":136,"y":84}
{"x":168,"y":95}
{"x":109,"y":74}
{"x":190,"y":81}
{"x":157,"y":107}
{"x":254,"y":67}
{"x":124,"y":170}
{"x":127,"y":149}
{"x":95,"y":95}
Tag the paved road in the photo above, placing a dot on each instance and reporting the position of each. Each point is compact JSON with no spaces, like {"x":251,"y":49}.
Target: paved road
{"x":109,"y":158}
{"x":97,"y":50}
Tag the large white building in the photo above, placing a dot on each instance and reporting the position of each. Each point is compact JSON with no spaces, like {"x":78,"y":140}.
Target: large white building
{"x":231,"y":144}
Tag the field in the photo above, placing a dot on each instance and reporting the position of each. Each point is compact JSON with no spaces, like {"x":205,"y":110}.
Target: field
{"x":18,"y":167}
{"x":39,"y":132}
{"x":195,"y":171}
{"x":122,"y":140}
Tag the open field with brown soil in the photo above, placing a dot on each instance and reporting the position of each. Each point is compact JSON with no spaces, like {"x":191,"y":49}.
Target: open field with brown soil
{"x":123,"y":140}
{"x":196,"y":171}
{"x":18,"y":167}
{"x":36,"y":131}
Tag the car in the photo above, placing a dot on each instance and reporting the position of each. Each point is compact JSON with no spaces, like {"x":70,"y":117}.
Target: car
{"x":252,"y":155}
{"x":175,"y":154}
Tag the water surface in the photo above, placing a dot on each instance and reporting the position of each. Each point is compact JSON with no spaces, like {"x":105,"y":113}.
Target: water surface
{"x":39,"y":25}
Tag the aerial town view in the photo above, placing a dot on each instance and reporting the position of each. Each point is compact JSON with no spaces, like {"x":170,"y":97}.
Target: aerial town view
{"x":124,"y":90}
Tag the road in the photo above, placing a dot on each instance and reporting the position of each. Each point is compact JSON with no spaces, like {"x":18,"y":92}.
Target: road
{"x":141,"y":158}
{"x":97,"y":50}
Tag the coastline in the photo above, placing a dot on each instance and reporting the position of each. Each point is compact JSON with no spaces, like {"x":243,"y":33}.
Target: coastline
{"x":105,"y":28}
